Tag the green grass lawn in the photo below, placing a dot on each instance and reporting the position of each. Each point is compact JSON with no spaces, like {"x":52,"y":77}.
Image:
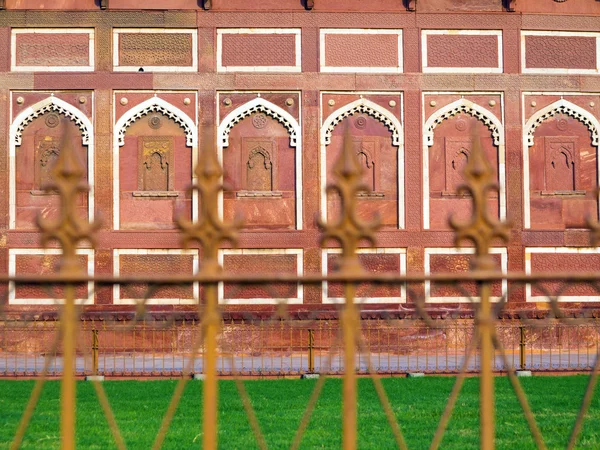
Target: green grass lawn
{"x":279,"y":404}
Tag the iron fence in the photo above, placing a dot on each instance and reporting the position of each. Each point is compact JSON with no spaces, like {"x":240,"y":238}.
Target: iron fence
{"x":350,"y":345}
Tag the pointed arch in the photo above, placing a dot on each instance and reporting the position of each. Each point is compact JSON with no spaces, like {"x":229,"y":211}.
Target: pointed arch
{"x":259,"y":104}
{"x":468,"y":107}
{"x":46,"y":105}
{"x":17,"y":127}
{"x":157,"y":104}
{"x":368,"y":107}
{"x":562,"y":106}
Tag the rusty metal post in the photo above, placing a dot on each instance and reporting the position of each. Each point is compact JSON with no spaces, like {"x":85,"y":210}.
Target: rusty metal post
{"x":311,"y":351}
{"x":348,"y":230}
{"x":95,"y":347}
{"x":522,"y":348}
{"x":209,"y":231}
{"x":481,"y":229}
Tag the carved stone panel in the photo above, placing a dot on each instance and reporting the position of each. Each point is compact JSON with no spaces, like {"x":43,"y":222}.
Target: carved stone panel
{"x":367,"y":148}
{"x":47,"y":153}
{"x":155,"y":49}
{"x":457,"y":155}
{"x":155,"y":163}
{"x":258,"y":164}
{"x":561,"y":163}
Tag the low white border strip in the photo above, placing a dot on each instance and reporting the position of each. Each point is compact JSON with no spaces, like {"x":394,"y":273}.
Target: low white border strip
{"x":154,"y":301}
{"x":264,"y":251}
{"x":560,"y":250}
{"x":525,"y":33}
{"x":13,"y":47}
{"x":12,"y":271}
{"x":345,"y":69}
{"x":296,"y":32}
{"x":192,"y":68}
{"x":502,"y":251}
{"x":364,"y":300}
{"x":498,"y":69}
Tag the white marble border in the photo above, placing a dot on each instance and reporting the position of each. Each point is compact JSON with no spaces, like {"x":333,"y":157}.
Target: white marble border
{"x":502,"y":251}
{"x":12,"y":271}
{"x":535,"y":120}
{"x":88,"y":135}
{"x":363,"y":300}
{"x":282,"y":116}
{"x":138,"y":110}
{"x":13,"y":47}
{"x":560,"y":250}
{"x":117,"y":300}
{"x":296,"y":32}
{"x":385,"y":115}
{"x":565,"y":71}
{"x":298,"y":252}
{"x":473,"y":109}
{"x":119,"y":31}
{"x":350,"y":69}
{"x":424,"y":33}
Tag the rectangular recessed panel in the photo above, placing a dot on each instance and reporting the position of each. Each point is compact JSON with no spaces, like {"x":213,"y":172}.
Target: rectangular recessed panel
{"x":559,"y":52}
{"x":362,"y":51}
{"x":151,"y":264}
{"x":258,"y":50}
{"x":52,"y":49}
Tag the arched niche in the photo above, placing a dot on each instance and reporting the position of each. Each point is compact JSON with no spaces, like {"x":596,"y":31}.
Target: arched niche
{"x":36,"y":139}
{"x":449,"y":136}
{"x":378,"y":141}
{"x":260,"y":149}
{"x":154,"y":150}
{"x":560,"y":165}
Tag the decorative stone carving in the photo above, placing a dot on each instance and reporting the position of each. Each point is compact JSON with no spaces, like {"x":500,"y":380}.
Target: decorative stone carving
{"x":259,"y":105}
{"x":562,"y":106}
{"x":561,"y":163}
{"x":156,"y":104}
{"x":155,"y":49}
{"x":52,"y":120}
{"x":154,"y":121}
{"x":47,"y":152}
{"x":53,"y":104}
{"x":468,"y":107}
{"x":259,"y":121}
{"x":155,"y":163}
{"x":457,"y":153}
{"x":364,"y":106}
{"x":259,"y":172}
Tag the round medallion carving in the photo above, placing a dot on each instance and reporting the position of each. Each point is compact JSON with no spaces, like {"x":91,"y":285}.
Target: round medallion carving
{"x":155,"y":122}
{"x":461,"y":125}
{"x":259,"y":120}
{"x":562,"y":124}
{"x":52,"y":120}
{"x":360,"y":122}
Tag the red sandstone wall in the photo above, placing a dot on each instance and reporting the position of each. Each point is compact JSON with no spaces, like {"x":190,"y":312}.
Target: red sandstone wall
{"x":408,"y":95}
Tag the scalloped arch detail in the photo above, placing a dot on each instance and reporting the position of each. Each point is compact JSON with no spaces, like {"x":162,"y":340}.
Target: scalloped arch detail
{"x":56,"y":105}
{"x":563,"y":106}
{"x":368,"y":107}
{"x":466,"y":106}
{"x":157,"y":104}
{"x":259,"y":104}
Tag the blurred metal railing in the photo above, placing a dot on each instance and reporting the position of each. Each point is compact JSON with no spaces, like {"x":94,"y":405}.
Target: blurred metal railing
{"x":160,"y":348}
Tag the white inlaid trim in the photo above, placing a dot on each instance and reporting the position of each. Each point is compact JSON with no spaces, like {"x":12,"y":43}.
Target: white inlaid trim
{"x":153,"y":104}
{"x":462,"y":251}
{"x":192,"y":31}
{"x":401,"y":252}
{"x":13,"y":45}
{"x":260,"y":104}
{"x":495,"y":126}
{"x":378,"y":112}
{"x":298,"y":252}
{"x":525,"y":69}
{"x":117,"y":300}
{"x":557,"y":250}
{"x":296,"y":32}
{"x":12,"y":272}
{"x":426,"y":69}
{"x":17,"y":127}
{"x":560,"y":106}
{"x":371,"y":69}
